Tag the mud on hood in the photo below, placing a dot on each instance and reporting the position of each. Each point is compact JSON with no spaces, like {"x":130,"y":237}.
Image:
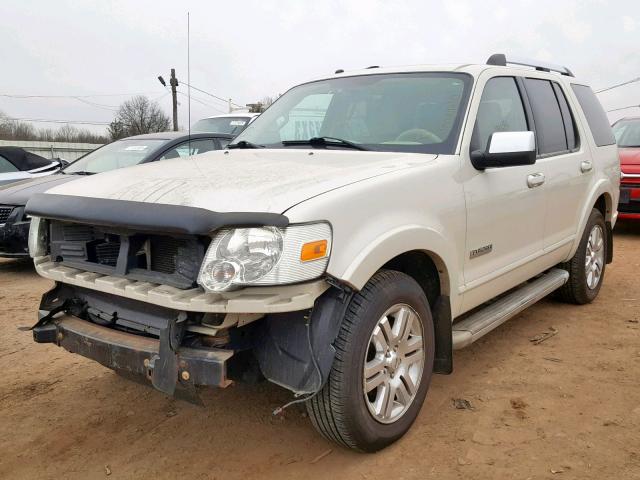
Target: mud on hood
{"x":241,"y":180}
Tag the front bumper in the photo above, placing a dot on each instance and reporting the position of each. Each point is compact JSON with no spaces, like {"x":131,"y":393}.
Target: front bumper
{"x":629,"y":204}
{"x":14,"y":235}
{"x":276,"y":299}
{"x":138,"y":356}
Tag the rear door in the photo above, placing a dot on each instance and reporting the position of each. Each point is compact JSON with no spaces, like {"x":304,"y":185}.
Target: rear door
{"x":564,"y":160}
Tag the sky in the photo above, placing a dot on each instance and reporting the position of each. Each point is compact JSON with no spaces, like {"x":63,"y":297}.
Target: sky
{"x":107,"y":50}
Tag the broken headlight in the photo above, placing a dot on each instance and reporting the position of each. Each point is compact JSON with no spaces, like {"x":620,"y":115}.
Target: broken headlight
{"x":37,"y":237}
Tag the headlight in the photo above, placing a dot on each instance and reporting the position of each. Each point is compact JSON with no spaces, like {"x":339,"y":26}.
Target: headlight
{"x":265,"y":256}
{"x":37,"y":237}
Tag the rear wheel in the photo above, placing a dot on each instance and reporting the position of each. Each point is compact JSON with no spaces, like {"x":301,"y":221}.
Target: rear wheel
{"x":586,"y":268}
{"x":382,"y":370}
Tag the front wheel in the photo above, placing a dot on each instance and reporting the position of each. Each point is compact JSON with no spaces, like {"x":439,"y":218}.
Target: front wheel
{"x":383,"y":365}
{"x":586,"y":268}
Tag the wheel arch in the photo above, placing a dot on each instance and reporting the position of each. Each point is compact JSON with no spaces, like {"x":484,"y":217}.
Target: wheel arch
{"x":601,"y":199}
{"x":426,"y":256}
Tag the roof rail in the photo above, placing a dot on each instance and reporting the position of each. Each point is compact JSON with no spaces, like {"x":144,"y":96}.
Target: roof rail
{"x":501,"y":59}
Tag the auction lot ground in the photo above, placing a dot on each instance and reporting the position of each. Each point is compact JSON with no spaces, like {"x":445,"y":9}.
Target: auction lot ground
{"x":568,"y":407}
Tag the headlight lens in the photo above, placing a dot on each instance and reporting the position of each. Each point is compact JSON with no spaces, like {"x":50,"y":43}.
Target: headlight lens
{"x":243,"y":255}
{"x":37,"y":237}
{"x":265,"y":256}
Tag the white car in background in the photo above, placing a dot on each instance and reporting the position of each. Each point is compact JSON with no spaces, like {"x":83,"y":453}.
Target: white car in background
{"x":231,"y":123}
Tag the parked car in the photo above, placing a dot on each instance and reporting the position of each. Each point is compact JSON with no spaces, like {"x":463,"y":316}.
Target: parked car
{"x":14,"y":223}
{"x":18,"y":164}
{"x":434,"y":204}
{"x":627,"y":132}
{"x":231,"y":123}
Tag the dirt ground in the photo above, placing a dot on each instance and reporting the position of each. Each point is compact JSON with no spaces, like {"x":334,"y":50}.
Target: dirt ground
{"x":566,"y":408}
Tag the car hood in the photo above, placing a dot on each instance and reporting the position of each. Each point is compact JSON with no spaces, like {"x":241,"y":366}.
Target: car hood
{"x":19,"y":193}
{"x":254,"y":180}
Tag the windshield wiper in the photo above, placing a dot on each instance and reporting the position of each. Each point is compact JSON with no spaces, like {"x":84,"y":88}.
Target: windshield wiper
{"x":324,"y":141}
{"x":244,"y":144}
{"x":80,"y":173}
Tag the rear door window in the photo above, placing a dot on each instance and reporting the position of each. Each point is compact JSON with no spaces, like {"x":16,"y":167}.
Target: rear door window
{"x":550,"y":128}
{"x":567,"y":116}
{"x":596,"y":116}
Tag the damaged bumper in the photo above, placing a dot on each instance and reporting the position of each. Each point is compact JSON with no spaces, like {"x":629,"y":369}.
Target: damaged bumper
{"x":149,"y":359}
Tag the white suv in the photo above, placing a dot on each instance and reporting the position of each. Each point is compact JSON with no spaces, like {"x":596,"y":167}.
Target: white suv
{"x":352,"y":236}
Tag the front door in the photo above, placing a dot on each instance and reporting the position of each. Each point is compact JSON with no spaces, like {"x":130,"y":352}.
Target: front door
{"x":505,"y":206}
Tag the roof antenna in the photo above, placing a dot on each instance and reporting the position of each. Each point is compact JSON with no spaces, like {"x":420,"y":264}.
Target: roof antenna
{"x":189,"y":79}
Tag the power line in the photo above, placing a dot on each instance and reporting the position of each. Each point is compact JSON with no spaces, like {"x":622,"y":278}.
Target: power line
{"x":200,"y":101}
{"x":11,"y":95}
{"x":618,"y":85}
{"x":225,"y":100}
{"x":623,"y":108}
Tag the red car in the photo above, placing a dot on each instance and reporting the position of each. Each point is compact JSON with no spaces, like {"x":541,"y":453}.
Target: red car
{"x":627,"y":132}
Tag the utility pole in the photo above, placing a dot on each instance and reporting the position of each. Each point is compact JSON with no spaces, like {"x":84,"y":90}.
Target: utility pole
{"x":174,"y":83}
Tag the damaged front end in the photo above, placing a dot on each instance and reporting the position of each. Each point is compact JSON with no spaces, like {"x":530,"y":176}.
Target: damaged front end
{"x":176,"y":351}
{"x":143,"y":289}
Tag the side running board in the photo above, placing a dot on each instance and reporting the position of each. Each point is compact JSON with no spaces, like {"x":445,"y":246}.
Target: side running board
{"x":495,"y":314}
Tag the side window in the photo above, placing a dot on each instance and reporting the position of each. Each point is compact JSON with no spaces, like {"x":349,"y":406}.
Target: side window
{"x":596,"y":116}
{"x":500,"y":110}
{"x":550,"y":130}
{"x":6,"y":166}
{"x":567,"y":116}
{"x":198,"y":146}
{"x":224,"y":142}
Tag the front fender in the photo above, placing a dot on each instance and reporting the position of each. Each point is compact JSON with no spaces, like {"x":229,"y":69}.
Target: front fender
{"x":396,"y":242}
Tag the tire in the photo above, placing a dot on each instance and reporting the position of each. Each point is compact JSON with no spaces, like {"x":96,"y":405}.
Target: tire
{"x":340,"y":411}
{"x":580,"y":288}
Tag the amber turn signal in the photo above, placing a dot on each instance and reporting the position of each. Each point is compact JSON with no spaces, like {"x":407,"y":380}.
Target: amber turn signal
{"x":313,"y":250}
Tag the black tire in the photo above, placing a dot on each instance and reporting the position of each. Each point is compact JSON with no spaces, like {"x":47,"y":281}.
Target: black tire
{"x":339,"y":411}
{"x":576,"y":290}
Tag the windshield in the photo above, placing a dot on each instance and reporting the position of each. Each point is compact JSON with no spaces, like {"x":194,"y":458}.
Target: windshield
{"x":627,"y":133}
{"x":230,"y":125}
{"x":120,"y":154}
{"x":409,"y":112}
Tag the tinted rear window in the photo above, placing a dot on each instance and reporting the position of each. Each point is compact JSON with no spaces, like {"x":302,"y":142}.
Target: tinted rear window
{"x":547,"y":116}
{"x":596,"y":116}
{"x":567,"y":116}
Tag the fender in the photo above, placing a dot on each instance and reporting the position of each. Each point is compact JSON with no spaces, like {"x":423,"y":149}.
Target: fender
{"x":398,"y":241}
{"x":603,"y":186}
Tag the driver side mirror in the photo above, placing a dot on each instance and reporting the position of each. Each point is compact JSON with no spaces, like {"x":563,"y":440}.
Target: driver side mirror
{"x":506,"y":149}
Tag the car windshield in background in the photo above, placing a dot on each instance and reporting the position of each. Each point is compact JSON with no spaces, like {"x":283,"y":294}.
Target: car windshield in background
{"x":627,"y":133}
{"x":407,"y":112}
{"x":230,"y":125}
{"x":119,"y":154}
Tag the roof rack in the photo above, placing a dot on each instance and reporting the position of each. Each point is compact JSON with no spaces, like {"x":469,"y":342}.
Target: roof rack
{"x":501,"y":59}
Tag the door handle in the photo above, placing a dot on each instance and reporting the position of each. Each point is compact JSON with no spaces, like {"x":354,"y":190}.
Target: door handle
{"x":586,"y":166}
{"x":535,"y":180}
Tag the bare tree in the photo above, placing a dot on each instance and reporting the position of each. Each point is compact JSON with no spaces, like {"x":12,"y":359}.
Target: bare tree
{"x":262,"y":105}
{"x":11,"y":129}
{"x":137,"y":116}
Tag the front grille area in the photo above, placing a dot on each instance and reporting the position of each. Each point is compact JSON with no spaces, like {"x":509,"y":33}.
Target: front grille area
{"x":5,"y":212}
{"x":160,"y":259}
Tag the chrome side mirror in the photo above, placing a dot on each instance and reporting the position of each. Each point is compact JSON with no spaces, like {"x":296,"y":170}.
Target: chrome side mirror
{"x":506,"y":149}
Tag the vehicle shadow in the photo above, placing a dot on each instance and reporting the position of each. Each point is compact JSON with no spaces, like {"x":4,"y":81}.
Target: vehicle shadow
{"x":16,"y":265}
{"x":627,"y":228}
